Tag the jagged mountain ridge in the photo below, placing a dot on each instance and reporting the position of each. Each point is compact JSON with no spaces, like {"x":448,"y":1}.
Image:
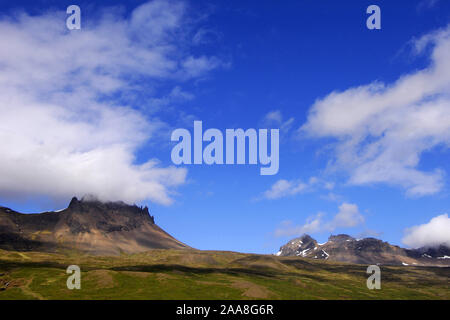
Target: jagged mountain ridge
{"x":345,"y":248}
{"x":87,"y":225}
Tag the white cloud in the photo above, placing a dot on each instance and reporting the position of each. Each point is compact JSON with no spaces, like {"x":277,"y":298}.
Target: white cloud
{"x":205,"y":36}
{"x":431,"y":234}
{"x":275,"y":119}
{"x":198,"y":66}
{"x":63,"y":132}
{"x":287,"y":229}
{"x":382,"y":130}
{"x":284,"y":188}
{"x":331,"y":196}
{"x":348,"y":216}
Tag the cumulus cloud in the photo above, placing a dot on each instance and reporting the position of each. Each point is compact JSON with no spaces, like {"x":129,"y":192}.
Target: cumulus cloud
{"x":284,"y":188}
{"x":67,"y":127}
{"x":431,"y":234}
{"x":348,"y":216}
{"x":381,"y":130}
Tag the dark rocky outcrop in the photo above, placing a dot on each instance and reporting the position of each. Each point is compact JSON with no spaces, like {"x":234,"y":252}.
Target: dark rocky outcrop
{"x":87,"y":225}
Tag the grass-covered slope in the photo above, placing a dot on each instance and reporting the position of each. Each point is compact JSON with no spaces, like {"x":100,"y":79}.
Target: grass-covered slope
{"x":191,"y":274}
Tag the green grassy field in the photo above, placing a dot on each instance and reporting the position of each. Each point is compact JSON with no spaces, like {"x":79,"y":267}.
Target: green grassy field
{"x":191,"y":274}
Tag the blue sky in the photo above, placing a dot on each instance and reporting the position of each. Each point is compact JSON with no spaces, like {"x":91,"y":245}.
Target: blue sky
{"x":247,"y":64}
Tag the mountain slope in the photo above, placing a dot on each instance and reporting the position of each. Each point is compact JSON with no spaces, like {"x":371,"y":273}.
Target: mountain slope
{"x":345,"y":248}
{"x":86,"y":225}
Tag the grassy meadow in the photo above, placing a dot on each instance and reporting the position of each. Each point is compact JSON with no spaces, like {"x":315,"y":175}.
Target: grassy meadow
{"x":192,"y":274}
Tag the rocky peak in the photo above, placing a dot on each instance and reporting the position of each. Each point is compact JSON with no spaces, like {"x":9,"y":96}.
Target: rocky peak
{"x":307,"y":238}
{"x":345,"y":248}
{"x":298,"y":246}
{"x":88,"y":225}
{"x":341,"y":238}
{"x":440,"y":252}
{"x":93,"y":206}
{"x":90,"y":214}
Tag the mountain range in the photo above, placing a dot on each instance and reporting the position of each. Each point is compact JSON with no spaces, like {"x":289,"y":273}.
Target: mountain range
{"x":345,"y":248}
{"x":113,"y":228}
{"x":86,"y":225}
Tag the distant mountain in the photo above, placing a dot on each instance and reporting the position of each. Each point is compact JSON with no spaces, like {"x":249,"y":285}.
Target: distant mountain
{"x":87,"y":225}
{"x":345,"y":248}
